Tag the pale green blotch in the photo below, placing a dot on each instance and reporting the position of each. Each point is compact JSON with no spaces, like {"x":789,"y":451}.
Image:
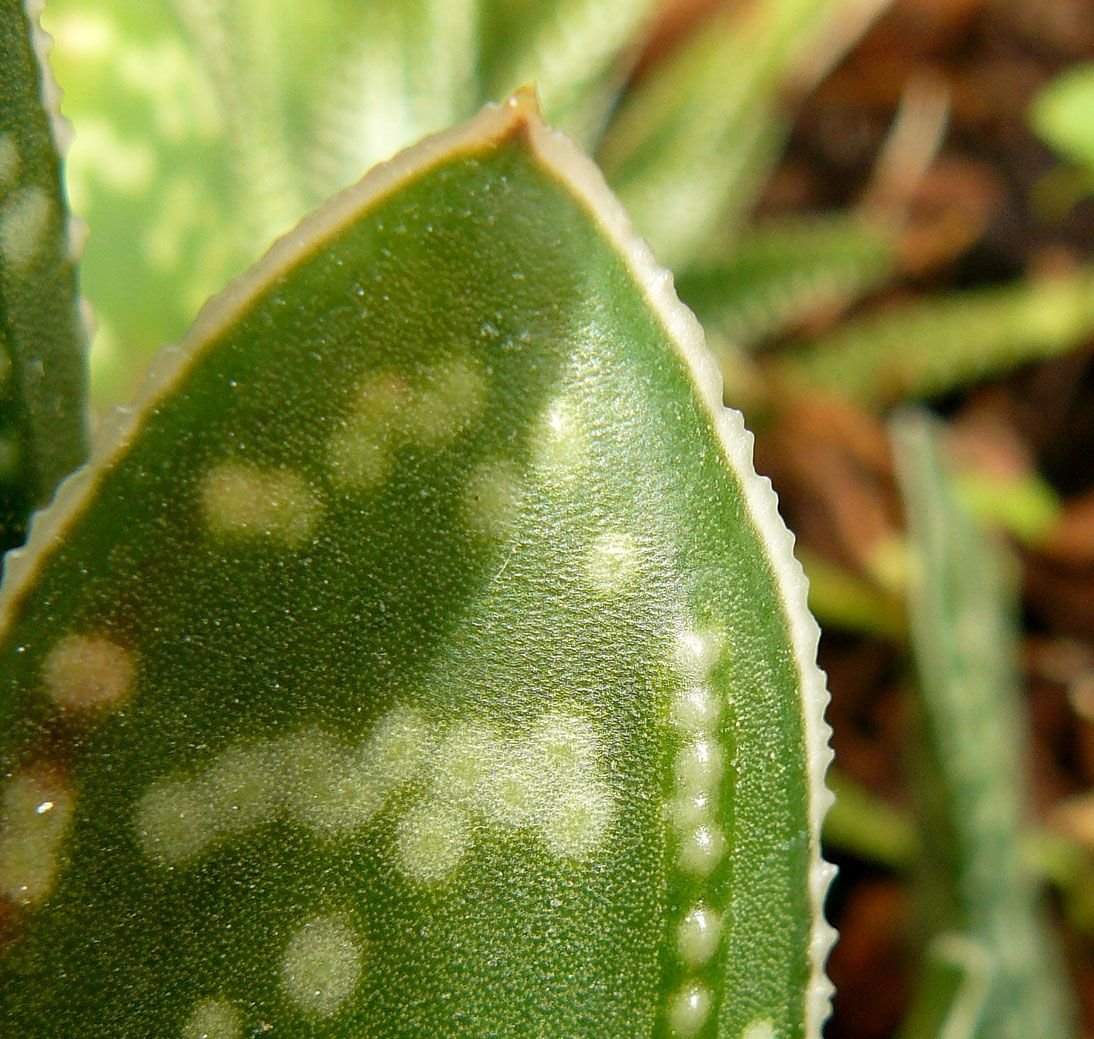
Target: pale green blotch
{"x":213,"y":1019}
{"x":322,"y":966}
{"x":340,"y":791}
{"x":701,"y":850}
{"x":174,"y":822}
{"x":258,"y":503}
{"x":759,"y":1030}
{"x":699,"y":767}
{"x":695,"y":709}
{"x":393,"y":411}
{"x":491,"y":498}
{"x":447,"y":400}
{"x":576,"y":819}
{"x":35,"y":815}
{"x":359,"y":451}
{"x":560,"y":444}
{"x":611,"y":562}
{"x":467,"y":761}
{"x":24,"y":223}
{"x":431,"y":840}
{"x":88,"y":673}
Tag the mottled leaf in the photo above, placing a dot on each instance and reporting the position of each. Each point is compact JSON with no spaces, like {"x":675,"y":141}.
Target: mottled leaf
{"x":43,"y":416}
{"x":970,"y":767}
{"x":421,"y":656}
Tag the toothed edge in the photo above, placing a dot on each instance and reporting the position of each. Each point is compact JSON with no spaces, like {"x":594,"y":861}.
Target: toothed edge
{"x":585,"y":179}
{"x":63,"y":134}
{"x":60,"y":128}
{"x":563,"y":157}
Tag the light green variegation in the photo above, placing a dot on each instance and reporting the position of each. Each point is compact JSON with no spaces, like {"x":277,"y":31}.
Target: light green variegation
{"x":990,"y":969}
{"x":421,"y":656}
{"x":43,"y":423}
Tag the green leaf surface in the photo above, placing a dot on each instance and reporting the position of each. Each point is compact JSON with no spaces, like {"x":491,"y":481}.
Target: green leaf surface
{"x":421,"y":656}
{"x":926,"y":348}
{"x":43,"y":417}
{"x":977,"y":880}
{"x":781,"y":273}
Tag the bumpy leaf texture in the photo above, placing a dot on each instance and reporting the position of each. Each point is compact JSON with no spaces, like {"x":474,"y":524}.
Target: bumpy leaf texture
{"x":43,"y":382}
{"x":421,"y":656}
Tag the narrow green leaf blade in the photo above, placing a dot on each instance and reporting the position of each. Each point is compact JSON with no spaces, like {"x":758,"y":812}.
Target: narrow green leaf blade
{"x":43,"y":410}
{"x":358,"y":82}
{"x":782,"y":272}
{"x":573,"y":50}
{"x":971,"y":765}
{"x":691,"y":141}
{"x":422,"y":656}
{"x":926,"y":348}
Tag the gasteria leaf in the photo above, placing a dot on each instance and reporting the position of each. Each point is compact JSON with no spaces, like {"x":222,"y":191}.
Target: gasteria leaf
{"x":43,"y":419}
{"x":421,"y":655}
{"x":992,"y":969}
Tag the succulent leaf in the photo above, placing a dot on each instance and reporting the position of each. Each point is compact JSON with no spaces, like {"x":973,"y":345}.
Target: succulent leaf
{"x":421,"y":655}
{"x":926,"y":348}
{"x":680,"y":167}
{"x":43,"y":416}
{"x":977,"y":881}
{"x":781,"y":273}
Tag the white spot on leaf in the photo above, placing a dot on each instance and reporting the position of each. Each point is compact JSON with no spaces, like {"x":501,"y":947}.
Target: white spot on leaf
{"x":576,"y":820}
{"x":35,"y":815}
{"x":322,"y":966}
{"x":689,"y":1010}
{"x":430,"y":841}
{"x":611,"y":562}
{"x":24,"y":222}
{"x":249,"y":501}
{"x":701,"y":850}
{"x":88,"y":672}
{"x":699,"y":766}
{"x":560,"y":442}
{"x":698,"y":935}
{"x":213,"y":1019}
{"x":491,"y":498}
